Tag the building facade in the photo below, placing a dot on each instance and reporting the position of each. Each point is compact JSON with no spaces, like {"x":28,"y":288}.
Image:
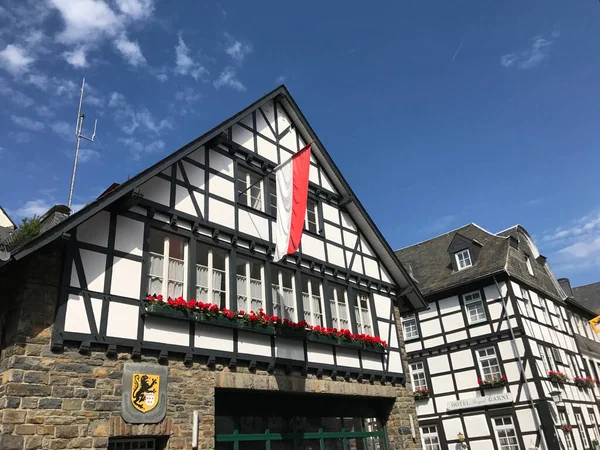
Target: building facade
{"x":495,"y":360}
{"x":94,"y":356}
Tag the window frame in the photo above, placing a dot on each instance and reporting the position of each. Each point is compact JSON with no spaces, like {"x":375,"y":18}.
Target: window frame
{"x":248,"y":284}
{"x":247,"y":189}
{"x":272,"y":203}
{"x":405,"y":319}
{"x":315,"y":211}
{"x":358,"y":311}
{"x":418,"y":371}
{"x":278,"y":271}
{"x":471,"y":302}
{"x":310,"y":279}
{"x":529,"y":265}
{"x":457,"y":256}
{"x":165,"y":269}
{"x":210,"y":267}
{"x":429,"y":435}
{"x":502,"y":427}
{"x":335,"y":304}
{"x":582,"y":429}
{"x":487,"y":357}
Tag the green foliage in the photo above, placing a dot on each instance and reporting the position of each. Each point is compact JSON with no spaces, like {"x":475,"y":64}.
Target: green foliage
{"x":29,"y":227}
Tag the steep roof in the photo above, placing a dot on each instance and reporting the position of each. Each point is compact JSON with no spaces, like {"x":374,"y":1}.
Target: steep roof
{"x":588,"y":295}
{"x":506,"y":251}
{"x":353,"y":205}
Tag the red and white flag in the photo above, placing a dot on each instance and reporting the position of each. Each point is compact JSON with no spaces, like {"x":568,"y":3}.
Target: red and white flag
{"x":292,"y":191}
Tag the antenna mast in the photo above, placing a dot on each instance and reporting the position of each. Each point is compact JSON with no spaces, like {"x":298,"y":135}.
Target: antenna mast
{"x":79,"y":136}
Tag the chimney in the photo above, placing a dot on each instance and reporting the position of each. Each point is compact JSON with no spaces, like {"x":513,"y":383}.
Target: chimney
{"x":53,"y":217}
{"x":565,"y":284}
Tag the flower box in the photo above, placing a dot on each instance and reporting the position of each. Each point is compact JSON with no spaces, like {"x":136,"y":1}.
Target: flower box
{"x":421,"y":394}
{"x":558,"y":377}
{"x":496,"y":382}
{"x":216,"y":320}
{"x":566,"y":428}
{"x":373,"y":348}
{"x":585,"y":383}
{"x":159,"y":310}
{"x":265,"y":329}
{"x":291,"y":333}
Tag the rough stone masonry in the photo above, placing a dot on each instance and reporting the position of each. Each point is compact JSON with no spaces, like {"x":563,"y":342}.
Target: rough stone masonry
{"x":72,"y":400}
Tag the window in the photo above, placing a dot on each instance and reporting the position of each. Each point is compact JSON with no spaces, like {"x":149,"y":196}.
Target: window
{"x":311,"y":301}
{"x":417,"y":373}
{"x":547,"y":367}
{"x":582,"y":430}
{"x":551,"y":361}
{"x":211,"y":275}
{"x":272,"y":198}
{"x":474,"y":307}
{"x":430,"y":438}
{"x":363,"y":314}
{"x":505,"y":433}
{"x":249,"y":275}
{"x":557,"y":355}
{"x":312,"y":214}
{"x":284,"y":294}
{"x":592,"y":418}
{"x":338,"y":301}
{"x":568,"y":439}
{"x":529,"y":266}
{"x":409,"y":326}
{"x":250,"y":189}
{"x":167,"y":278}
{"x":527,"y":300}
{"x":488,"y":364}
{"x":463,"y":259}
{"x":132,"y":443}
{"x":575,"y":367}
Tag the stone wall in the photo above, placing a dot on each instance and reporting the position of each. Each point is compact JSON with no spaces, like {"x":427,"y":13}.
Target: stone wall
{"x":71,"y":400}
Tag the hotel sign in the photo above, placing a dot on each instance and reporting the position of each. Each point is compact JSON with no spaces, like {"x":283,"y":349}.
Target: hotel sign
{"x":479,"y":402}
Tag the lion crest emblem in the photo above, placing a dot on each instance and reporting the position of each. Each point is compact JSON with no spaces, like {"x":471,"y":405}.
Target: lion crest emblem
{"x":145,"y":390}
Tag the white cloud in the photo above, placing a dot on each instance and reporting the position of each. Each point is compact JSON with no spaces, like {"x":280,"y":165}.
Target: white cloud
{"x":162,"y":77}
{"x":64,"y":130}
{"x":32,"y":208}
{"x":17,"y":97}
{"x":38,"y":80}
{"x":15,"y":59}
{"x":531,"y":57}
{"x":131,"y":120}
{"x":65,"y":88}
{"x":130,"y":51}
{"x":20,"y":137}
{"x":280,"y":79}
{"x":26,"y":122}
{"x":138,"y":149}
{"x":86,"y":155}
{"x":76,"y":57}
{"x":44,"y":111}
{"x":238,"y":51}
{"x":136,"y":9}
{"x":184,"y":63}
{"x":188,"y":95}
{"x":221,"y":10}
{"x":227,"y":78}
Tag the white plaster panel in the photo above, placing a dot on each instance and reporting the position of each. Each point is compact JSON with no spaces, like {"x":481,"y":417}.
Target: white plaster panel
{"x":311,"y":247}
{"x":129,"y":236}
{"x":326,"y":183}
{"x":289,"y":349}
{"x":442,"y":384}
{"x":94,"y":265}
{"x":347,"y":222}
{"x":480,"y":330}
{"x":476,"y":426}
{"x":256,"y":225}
{"x":366,"y":248}
{"x":434,"y":342}
{"x":442,"y":401}
{"x":95,"y":229}
{"x":122,"y":320}
{"x":394,"y":337}
{"x":331,"y":213}
{"x":347,"y":357}
{"x":431,"y":327}
{"x":126,"y":278}
{"x":431,"y":312}
{"x":491,"y":292}
{"x":371,"y":361}
{"x":254,"y":344}
{"x":468,"y":395}
{"x":506,"y":349}
{"x":243,"y":137}
{"x":413,"y":346}
{"x":462,"y":359}
{"x":320,"y":353}
{"x":457,"y":336}
{"x":198,"y":155}
{"x":526,"y":420}
{"x":511,"y":370}
{"x":221,"y":163}
{"x":214,"y":338}
{"x":495,"y":310}
{"x":453,"y":322}
{"x":382,"y":306}
{"x":221,"y":213}
{"x":466,"y":379}
{"x":333,"y":233}
{"x":350,"y":239}
{"x":289,"y":139}
{"x":449,"y":304}
{"x":157,"y":190}
{"x":451,"y":426}
{"x":336,"y":255}
{"x":263,"y":127}
{"x":516,"y":287}
{"x":266,"y":149}
{"x":269,"y":111}
{"x":384,"y":330}
{"x":485,"y":444}
{"x":424,"y":407}
{"x":313,"y":175}
{"x":438,"y":364}
{"x":167,"y":331}
{"x":395,"y":362}
{"x":76,"y":320}
{"x":221,"y":187}
{"x":385,"y":276}
{"x":195,"y":175}
{"x":357,"y":264}
{"x":371,"y":268}
{"x":183,"y":201}
{"x":97,"y":311}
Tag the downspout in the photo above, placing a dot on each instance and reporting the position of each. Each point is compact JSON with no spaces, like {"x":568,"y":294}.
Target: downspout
{"x":513,"y":341}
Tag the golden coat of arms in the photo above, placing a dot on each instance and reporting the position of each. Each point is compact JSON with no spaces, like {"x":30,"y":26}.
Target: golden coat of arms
{"x":145,"y":391}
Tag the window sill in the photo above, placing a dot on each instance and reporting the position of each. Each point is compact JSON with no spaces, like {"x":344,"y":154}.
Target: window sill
{"x":412,"y":339}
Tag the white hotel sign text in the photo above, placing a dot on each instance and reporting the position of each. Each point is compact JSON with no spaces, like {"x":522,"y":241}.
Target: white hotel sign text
{"x":480,"y":401}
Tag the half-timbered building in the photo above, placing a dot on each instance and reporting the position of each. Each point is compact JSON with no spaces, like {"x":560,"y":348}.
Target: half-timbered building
{"x":496,"y":360}
{"x":243,"y":355}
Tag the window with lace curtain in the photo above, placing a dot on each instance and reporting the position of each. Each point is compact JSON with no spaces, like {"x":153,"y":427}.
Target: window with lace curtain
{"x":363,"y":314}
{"x":312,"y":293}
{"x":167,"y":270}
{"x":284,"y":294}
{"x":211,"y":275}
{"x":338,"y":301}
{"x":250,"y":292}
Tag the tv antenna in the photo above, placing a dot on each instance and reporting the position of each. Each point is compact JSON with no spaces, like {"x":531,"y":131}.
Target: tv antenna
{"x":79,"y":136}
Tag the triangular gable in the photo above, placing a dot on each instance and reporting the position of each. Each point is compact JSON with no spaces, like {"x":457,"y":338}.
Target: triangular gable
{"x":5,"y":220}
{"x":275,"y":115}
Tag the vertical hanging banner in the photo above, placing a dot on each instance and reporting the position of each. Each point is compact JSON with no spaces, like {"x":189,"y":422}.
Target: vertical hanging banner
{"x":291,"y":179}
{"x":595,"y":323}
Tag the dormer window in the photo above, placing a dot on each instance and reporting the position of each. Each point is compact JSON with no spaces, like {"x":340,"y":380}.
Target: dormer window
{"x":463,"y":259}
{"x":529,"y":266}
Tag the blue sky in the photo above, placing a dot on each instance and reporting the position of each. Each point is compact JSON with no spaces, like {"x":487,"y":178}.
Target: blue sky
{"x":438,"y":113}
